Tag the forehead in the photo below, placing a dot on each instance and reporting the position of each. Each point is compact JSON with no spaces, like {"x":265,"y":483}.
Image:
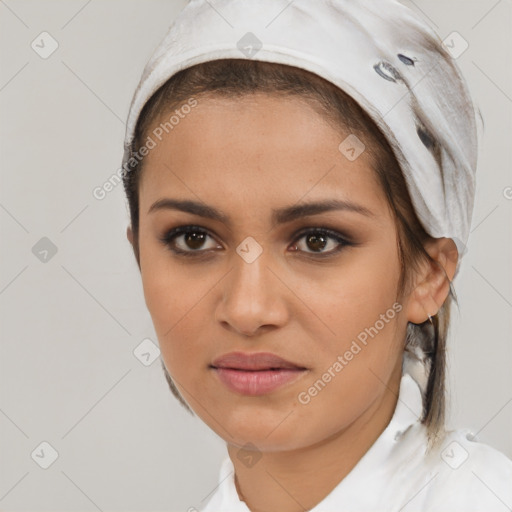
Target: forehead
{"x":275,"y":146}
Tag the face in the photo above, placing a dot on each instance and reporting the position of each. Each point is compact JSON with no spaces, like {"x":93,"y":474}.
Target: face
{"x":258,"y":278}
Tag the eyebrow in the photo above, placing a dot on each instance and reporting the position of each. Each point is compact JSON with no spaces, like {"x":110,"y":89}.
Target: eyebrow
{"x":279,"y":215}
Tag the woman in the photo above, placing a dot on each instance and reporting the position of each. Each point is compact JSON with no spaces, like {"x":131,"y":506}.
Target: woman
{"x":301,"y":187}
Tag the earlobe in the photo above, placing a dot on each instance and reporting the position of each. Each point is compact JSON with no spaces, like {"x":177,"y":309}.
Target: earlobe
{"x":422,"y":303}
{"x":433,"y":281}
{"x":129,"y":234}
{"x":134,"y":243}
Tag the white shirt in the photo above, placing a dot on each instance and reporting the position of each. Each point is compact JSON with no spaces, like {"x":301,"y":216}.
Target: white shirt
{"x":462,"y":475}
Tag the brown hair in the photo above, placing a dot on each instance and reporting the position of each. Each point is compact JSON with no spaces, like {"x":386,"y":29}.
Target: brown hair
{"x":236,"y":77}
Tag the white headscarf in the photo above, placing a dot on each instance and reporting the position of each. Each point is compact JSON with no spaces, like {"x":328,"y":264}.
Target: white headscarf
{"x":377,"y":51}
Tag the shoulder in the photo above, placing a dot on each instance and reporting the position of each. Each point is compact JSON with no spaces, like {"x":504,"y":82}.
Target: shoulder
{"x":468,"y":475}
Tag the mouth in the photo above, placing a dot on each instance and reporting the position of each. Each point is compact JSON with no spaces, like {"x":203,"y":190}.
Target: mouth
{"x":258,"y":361}
{"x":255,"y":374}
{"x":257,"y":382}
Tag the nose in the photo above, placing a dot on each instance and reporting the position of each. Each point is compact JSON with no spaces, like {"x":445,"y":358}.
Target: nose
{"x":253,"y":297}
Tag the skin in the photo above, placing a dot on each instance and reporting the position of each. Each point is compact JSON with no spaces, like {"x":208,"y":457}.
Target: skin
{"x":246,"y":157}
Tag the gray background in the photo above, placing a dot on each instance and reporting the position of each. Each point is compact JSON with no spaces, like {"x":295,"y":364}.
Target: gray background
{"x":69,"y":324}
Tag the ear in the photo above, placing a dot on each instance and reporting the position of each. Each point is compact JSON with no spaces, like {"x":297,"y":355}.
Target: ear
{"x":134,"y":243}
{"x":433,"y":280}
{"x":129,"y":234}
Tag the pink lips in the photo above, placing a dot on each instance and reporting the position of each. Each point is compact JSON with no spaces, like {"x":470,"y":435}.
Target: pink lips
{"x":255,"y":374}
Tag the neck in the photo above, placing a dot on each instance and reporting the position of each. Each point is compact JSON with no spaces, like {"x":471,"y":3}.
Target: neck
{"x":297,"y":480}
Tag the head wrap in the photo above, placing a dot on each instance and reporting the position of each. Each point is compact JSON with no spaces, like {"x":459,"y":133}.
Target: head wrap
{"x":381,"y":53}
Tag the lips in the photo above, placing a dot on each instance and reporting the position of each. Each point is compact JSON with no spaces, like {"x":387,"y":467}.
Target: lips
{"x":255,"y":374}
{"x":258,"y":361}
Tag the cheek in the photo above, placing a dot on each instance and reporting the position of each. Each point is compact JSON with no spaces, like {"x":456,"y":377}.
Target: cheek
{"x":365,"y":328}
{"x":353,"y":300}
{"x":167,"y":292}
{"x":176,"y":296}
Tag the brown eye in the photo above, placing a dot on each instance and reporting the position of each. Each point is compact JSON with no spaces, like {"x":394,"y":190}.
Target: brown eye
{"x":194,"y":240}
{"x":187,"y":240}
{"x":316,"y":240}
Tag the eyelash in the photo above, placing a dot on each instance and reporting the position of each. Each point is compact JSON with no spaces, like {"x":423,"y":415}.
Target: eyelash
{"x":168,"y":238}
